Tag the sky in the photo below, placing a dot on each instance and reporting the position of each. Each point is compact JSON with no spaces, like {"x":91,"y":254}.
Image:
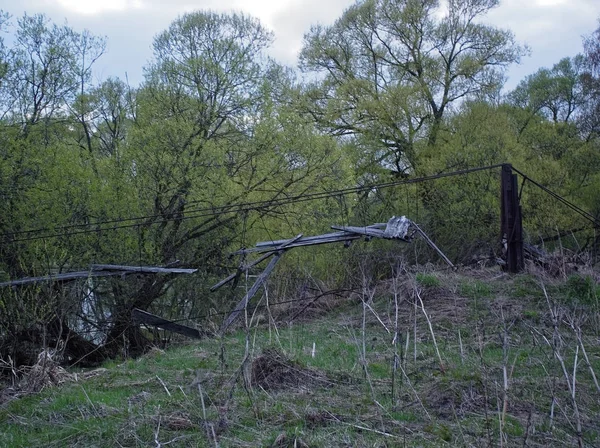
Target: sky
{"x":552,"y":29}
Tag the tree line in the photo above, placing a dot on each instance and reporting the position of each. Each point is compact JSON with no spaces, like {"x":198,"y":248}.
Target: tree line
{"x":105,"y":172}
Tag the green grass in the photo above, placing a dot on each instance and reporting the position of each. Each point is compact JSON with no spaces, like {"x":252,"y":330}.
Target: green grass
{"x":526,"y":286}
{"x":428,"y":280}
{"x":134,"y":403}
{"x":476,"y":289}
{"x":582,"y":289}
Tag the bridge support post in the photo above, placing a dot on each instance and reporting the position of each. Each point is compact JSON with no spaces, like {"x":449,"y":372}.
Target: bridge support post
{"x":511,"y":221}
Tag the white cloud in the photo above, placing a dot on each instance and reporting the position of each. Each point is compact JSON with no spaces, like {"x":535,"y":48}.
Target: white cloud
{"x":550,"y":2}
{"x":552,"y":28}
{"x":91,"y":7}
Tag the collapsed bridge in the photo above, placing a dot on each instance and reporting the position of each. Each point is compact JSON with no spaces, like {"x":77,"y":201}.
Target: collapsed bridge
{"x":397,"y":228}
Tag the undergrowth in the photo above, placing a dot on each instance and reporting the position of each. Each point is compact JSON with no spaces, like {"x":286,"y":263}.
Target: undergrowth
{"x":440,"y":359}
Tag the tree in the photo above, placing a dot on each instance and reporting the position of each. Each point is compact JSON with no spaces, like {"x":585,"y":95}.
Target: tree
{"x":391,"y":69}
{"x":546,"y":108}
{"x":556,"y":114}
{"x":198,"y":106}
{"x":114,"y":106}
{"x":555,"y":93}
{"x":88,"y":49}
{"x":45,"y":180}
{"x":590,"y":118}
{"x":4,"y":19}
{"x":210,"y":132}
{"x":209,"y":65}
{"x":48,"y":66}
{"x":45,"y":69}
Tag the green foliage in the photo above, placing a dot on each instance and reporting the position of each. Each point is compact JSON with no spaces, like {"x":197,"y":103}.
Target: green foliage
{"x":525,"y":286}
{"x":440,"y":430}
{"x":532,"y":315}
{"x":404,"y":416}
{"x":405,"y":91}
{"x":475,"y":289}
{"x":555,"y":93}
{"x":393,"y":69}
{"x":428,"y":280}
{"x":582,"y":289}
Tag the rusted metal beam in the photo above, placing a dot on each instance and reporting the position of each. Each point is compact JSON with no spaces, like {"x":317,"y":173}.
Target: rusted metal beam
{"x":244,"y":302}
{"x":269,"y":246}
{"x":254,"y":263}
{"x":144,"y":317}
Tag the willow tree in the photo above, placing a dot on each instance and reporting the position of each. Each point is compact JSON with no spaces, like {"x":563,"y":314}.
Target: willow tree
{"x":45,"y":68}
{"x":554,"y":93}
{"x":47,"y":179}
{"x":211,"y":131}
{"x":590,"y":118}
{"x":390,"y":70}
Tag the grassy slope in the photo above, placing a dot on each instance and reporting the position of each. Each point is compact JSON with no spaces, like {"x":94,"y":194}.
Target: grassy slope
{"x":484,"y":325}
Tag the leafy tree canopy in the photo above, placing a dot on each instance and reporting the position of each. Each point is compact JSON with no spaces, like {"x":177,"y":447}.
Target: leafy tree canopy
{"x":389,"y":70}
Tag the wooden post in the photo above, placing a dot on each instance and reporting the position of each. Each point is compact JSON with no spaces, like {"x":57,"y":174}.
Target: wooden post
{"x":511,"y":221}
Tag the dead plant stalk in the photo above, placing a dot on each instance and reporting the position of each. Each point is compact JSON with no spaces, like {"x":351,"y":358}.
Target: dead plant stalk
{"x":397,"y":335}
{"x":437,"y":351}
{"x":506,"y":374}
{"x":578,"y":333}
{"x":571,"y":381}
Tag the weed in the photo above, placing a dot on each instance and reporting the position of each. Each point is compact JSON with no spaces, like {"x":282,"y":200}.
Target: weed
{"x":440,"y":430}
{"x":449,"y":386}
{"x":582,"y":289}
{"x":513,"y":427}
{"x":525,"y":286}
{"x":407,"y":417}
{"x":533,"y":315}
{"x":428,"y":280}
{"x":475,"y":289}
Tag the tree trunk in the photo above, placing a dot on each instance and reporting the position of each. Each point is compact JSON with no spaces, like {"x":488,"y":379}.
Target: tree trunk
{"x":125,"y":337}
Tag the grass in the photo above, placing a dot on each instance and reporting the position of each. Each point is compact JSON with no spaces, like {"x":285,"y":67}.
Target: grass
{"x":475,"y":289}
{"x":393,"y":394}
{"x":427,"y":280}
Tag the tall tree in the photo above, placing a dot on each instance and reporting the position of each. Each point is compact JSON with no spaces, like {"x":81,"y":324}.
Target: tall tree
{"x":45,"y":180}
{"x":590,"y":119}
{"x":48,"y":66}
{"x":391,"y":69}
{"x":114,"y":103}
{"x":203,"y":92}
{"x":555,"y":93}
{"x":210,"y":132}
{"x":4,"y":19}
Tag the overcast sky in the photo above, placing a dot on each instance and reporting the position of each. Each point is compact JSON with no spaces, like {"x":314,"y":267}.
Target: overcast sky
{"x":551,"y":28}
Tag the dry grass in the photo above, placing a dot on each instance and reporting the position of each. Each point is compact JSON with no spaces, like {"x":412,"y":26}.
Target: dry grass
{"x":473,"y":362}
{"x":273,"y":371}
